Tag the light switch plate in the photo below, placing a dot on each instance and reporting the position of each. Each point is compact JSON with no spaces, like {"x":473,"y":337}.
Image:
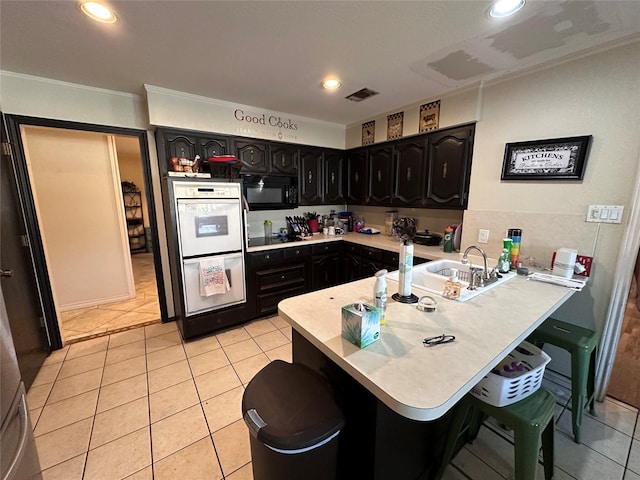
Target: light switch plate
{"x":483,"y":236}
{"x":605,"y":213}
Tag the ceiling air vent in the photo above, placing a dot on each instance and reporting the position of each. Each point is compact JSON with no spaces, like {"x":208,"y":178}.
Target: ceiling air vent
{"x":361,"y":95}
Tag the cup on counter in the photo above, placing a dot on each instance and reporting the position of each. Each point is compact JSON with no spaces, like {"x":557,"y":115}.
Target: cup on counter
{"x":325,"y":230}
{"x":332,"y":230}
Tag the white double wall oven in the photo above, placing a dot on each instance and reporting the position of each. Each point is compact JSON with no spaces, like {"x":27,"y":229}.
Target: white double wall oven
{"x":211,"y":240}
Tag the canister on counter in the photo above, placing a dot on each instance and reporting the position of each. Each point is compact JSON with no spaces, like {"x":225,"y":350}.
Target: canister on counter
{"x":390,"y":216}
{"x":515,"y":234}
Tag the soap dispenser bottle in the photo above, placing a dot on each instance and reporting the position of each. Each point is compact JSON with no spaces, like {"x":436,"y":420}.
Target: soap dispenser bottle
{"x":452,"y":286}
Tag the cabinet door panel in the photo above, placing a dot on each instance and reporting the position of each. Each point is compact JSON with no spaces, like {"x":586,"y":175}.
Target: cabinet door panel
{"x":325,"y":271}
{"x":253,"y":156}
{"x":182,"y":146}
{"x":283,"y":159}
{"x":310,"y":183}
{"x":213,"y":147}
{"x":410,"y":171}
{"x":333,"y":182}
{"x":357,"y":176}
{"x":380,"y":175}
{"x":449,"y":167}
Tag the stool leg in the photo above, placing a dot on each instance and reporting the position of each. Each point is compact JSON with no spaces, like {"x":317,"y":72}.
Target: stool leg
{"x":459,"y":416}
{"x":548,"y":449}
{"x":579,"y":374}
{"x":591,"y":381}
{"x":526,"y":446}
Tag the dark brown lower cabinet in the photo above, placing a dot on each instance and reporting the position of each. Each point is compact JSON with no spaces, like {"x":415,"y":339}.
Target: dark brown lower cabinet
{"x":326,"y":265}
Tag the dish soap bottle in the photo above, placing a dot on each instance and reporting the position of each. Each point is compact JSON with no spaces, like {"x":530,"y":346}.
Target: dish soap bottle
{"x":504,"y":262}
{"x":452,"y":286}
{"x":380,"y":294}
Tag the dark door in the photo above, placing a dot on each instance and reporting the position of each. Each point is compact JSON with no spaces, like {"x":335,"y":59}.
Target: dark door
{"x":253,"y":156}
{"x":310,"y":182}
{"x":283,"y":159}
{"x":18,"y":279}
{"x":410,"y":168}
{"x":356,"y":184}
{"x":380,"y":175}
{"x":333,"y":167}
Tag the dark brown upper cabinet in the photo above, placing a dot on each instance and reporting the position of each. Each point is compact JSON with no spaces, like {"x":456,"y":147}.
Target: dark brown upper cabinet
{"x":410,"y":167}
{"x":182,"y":146}
{"x":252,"y":154}
{"x":213,"y":147}
{"x":449,"y":172}
{"x":356,"y":176}
{"x":380,"y":175}
{"x":283,"y":159}
{"x":310,"y":177}
{"x":333,"y":168}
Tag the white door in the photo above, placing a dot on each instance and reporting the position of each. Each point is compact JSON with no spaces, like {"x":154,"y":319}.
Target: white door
{"x":195,"y":301}
{"x":208,"y":226}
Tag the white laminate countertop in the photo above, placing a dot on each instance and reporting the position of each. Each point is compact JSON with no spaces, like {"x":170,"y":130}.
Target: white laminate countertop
{"x":419,"y":382}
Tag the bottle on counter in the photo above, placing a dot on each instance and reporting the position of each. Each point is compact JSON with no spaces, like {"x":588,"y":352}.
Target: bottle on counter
{"x":267,"y":229}
{"x":380,"y":294}
{"x":448,"y":240}
{"x":504,"y":262}
{"x":452,"y":286}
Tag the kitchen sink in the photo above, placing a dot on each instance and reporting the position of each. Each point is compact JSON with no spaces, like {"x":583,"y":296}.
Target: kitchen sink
{"x":430,"y":277}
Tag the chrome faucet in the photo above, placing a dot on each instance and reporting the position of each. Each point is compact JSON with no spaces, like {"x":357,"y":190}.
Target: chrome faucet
{"x":485,"y":276}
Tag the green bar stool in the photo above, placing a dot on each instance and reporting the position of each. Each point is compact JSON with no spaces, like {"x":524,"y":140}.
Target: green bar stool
{"x":530,"y":419}
{"x":582,"y":344}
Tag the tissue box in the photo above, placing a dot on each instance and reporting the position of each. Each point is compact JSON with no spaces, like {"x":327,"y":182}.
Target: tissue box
{"x":360,"y":323}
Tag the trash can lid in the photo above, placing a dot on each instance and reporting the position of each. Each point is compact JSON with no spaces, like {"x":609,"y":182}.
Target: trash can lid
{"x":296,"y":406}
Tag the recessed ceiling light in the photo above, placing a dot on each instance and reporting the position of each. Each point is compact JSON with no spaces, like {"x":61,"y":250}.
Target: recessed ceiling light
{"x":504,"y":8}
{"x":98,"y":12}
{"x":331,"y":83}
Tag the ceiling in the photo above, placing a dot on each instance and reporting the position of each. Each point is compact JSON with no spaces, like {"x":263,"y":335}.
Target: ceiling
{"x":274,"y":54}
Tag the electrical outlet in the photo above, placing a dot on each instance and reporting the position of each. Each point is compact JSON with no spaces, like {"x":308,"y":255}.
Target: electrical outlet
{"x":483,"y":236}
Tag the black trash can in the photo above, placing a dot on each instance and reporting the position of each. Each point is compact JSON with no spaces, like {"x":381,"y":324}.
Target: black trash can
{"x":294,"y":423}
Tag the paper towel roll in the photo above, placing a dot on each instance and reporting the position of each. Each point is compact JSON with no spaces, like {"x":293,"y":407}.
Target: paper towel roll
{"x":406,"y":267}
{"x":564,"y":262}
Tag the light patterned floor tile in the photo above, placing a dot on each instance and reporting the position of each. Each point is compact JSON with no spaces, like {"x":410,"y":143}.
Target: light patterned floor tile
{"x":615,"y":414}
{"x":128,"y":336}
{"x":87,"y":347}
{"x":629,"y":475}
{"x":208,"y":361}
{"x":82,"y":364}
{"x":196,"y":461}
{"x":130,"y":319}
{"x":125,"y":352}
{"x":165,"y":357}
{"x":202,"y":345}
{"x":232,"y":446}
{"x":69,"y":387}
{"x":241,"y":350}
{"x":34,"y":416}
{"x":122,"y":370}
{"x":232,"y":336}
{"x":582,"y":462}
{"x":120,"y":458}
{"x":634,"y":457}
{"x":223,"y":409}
{"x":172,"y":400}
{"x":247,"y":368}
{"x":144,"y":474}
{"x":271,"y":340}
{"x":244,"y":473}
{"x":159,"y":342}
{"x":66,"y":412}
{"x":287,"y":332}
{"x":168,"y":376}
{"x":160,"y":329}
{"x":47,"y":374}
{"x":216,"y":382}
{"x":122,"y":392}
{"x":63,"y":444}
{"x":178,"y":431}
{"x":259,"y":327}
{"x":119,"y":421}
{"x":57,"y":356}
{"x":37,"y":396}
{"x":279,"y":322}
{"x":281,"y":353}
{"x":71,"y":469}
{"x":471,"y":465}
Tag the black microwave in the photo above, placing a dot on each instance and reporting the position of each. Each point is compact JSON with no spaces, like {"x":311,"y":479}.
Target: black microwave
{"x":270,"y":192}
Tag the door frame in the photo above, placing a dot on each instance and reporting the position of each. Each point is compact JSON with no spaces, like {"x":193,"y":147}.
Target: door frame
{"x":13,"y":123}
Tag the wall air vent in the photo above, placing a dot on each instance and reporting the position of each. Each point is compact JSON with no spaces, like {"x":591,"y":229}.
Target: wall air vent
{"x":361,"y":95}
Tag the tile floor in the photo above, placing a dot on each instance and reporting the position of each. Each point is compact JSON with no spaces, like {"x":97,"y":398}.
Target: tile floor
{"x":142,"y":404}
{"x":83,"y":323}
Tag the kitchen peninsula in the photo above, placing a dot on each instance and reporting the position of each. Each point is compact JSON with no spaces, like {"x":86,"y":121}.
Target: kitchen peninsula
{"x":396,"y":392}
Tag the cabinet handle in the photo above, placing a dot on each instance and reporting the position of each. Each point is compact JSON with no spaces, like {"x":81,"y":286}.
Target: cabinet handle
{"x":379,"y":175}
{"x":267,"y":257}
{"x":444,"y":170}
{"x":282,"y":160}
{"x":357,"y":177}
{"x":408,"y":174}
{"x":251,"y":156}
{"x":333,"y":177}
{"x":282,"y":277}
{"x":310,"y":176}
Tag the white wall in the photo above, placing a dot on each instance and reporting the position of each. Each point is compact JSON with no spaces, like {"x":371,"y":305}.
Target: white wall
{"x":77,"y":194}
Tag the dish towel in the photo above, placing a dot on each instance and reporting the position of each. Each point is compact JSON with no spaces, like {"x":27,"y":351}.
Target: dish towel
{"x":213,"y":277}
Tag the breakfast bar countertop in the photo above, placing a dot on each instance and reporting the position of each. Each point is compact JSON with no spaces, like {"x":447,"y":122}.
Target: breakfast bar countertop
{"x":419,"y":382}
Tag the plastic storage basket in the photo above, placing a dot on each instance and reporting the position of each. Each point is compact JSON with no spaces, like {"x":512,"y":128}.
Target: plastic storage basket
{"x":500,"y":391}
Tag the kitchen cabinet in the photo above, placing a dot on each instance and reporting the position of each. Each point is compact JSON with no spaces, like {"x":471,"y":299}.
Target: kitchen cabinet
{"x":410,"y":169}
{"x":132,"y":198}
{"x":213,"y":147}
{"x":351,"y":262}
{"x":310,"y":178}
{"x":449,"y":153}
{"x":252,"y":154}
{"x":283,"y":159}
{"x":181,"y":146}
{"x":380,"y":175}
{"x":333,"y":164}
{"x":325,"y":265}
{"x":356,"y":176}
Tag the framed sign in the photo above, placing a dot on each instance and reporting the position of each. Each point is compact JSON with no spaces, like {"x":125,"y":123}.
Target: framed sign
{"x":429,"y":116}
{"x":394,"y":125}
{"x":368,"y":132}
{"x":553,"y":159}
